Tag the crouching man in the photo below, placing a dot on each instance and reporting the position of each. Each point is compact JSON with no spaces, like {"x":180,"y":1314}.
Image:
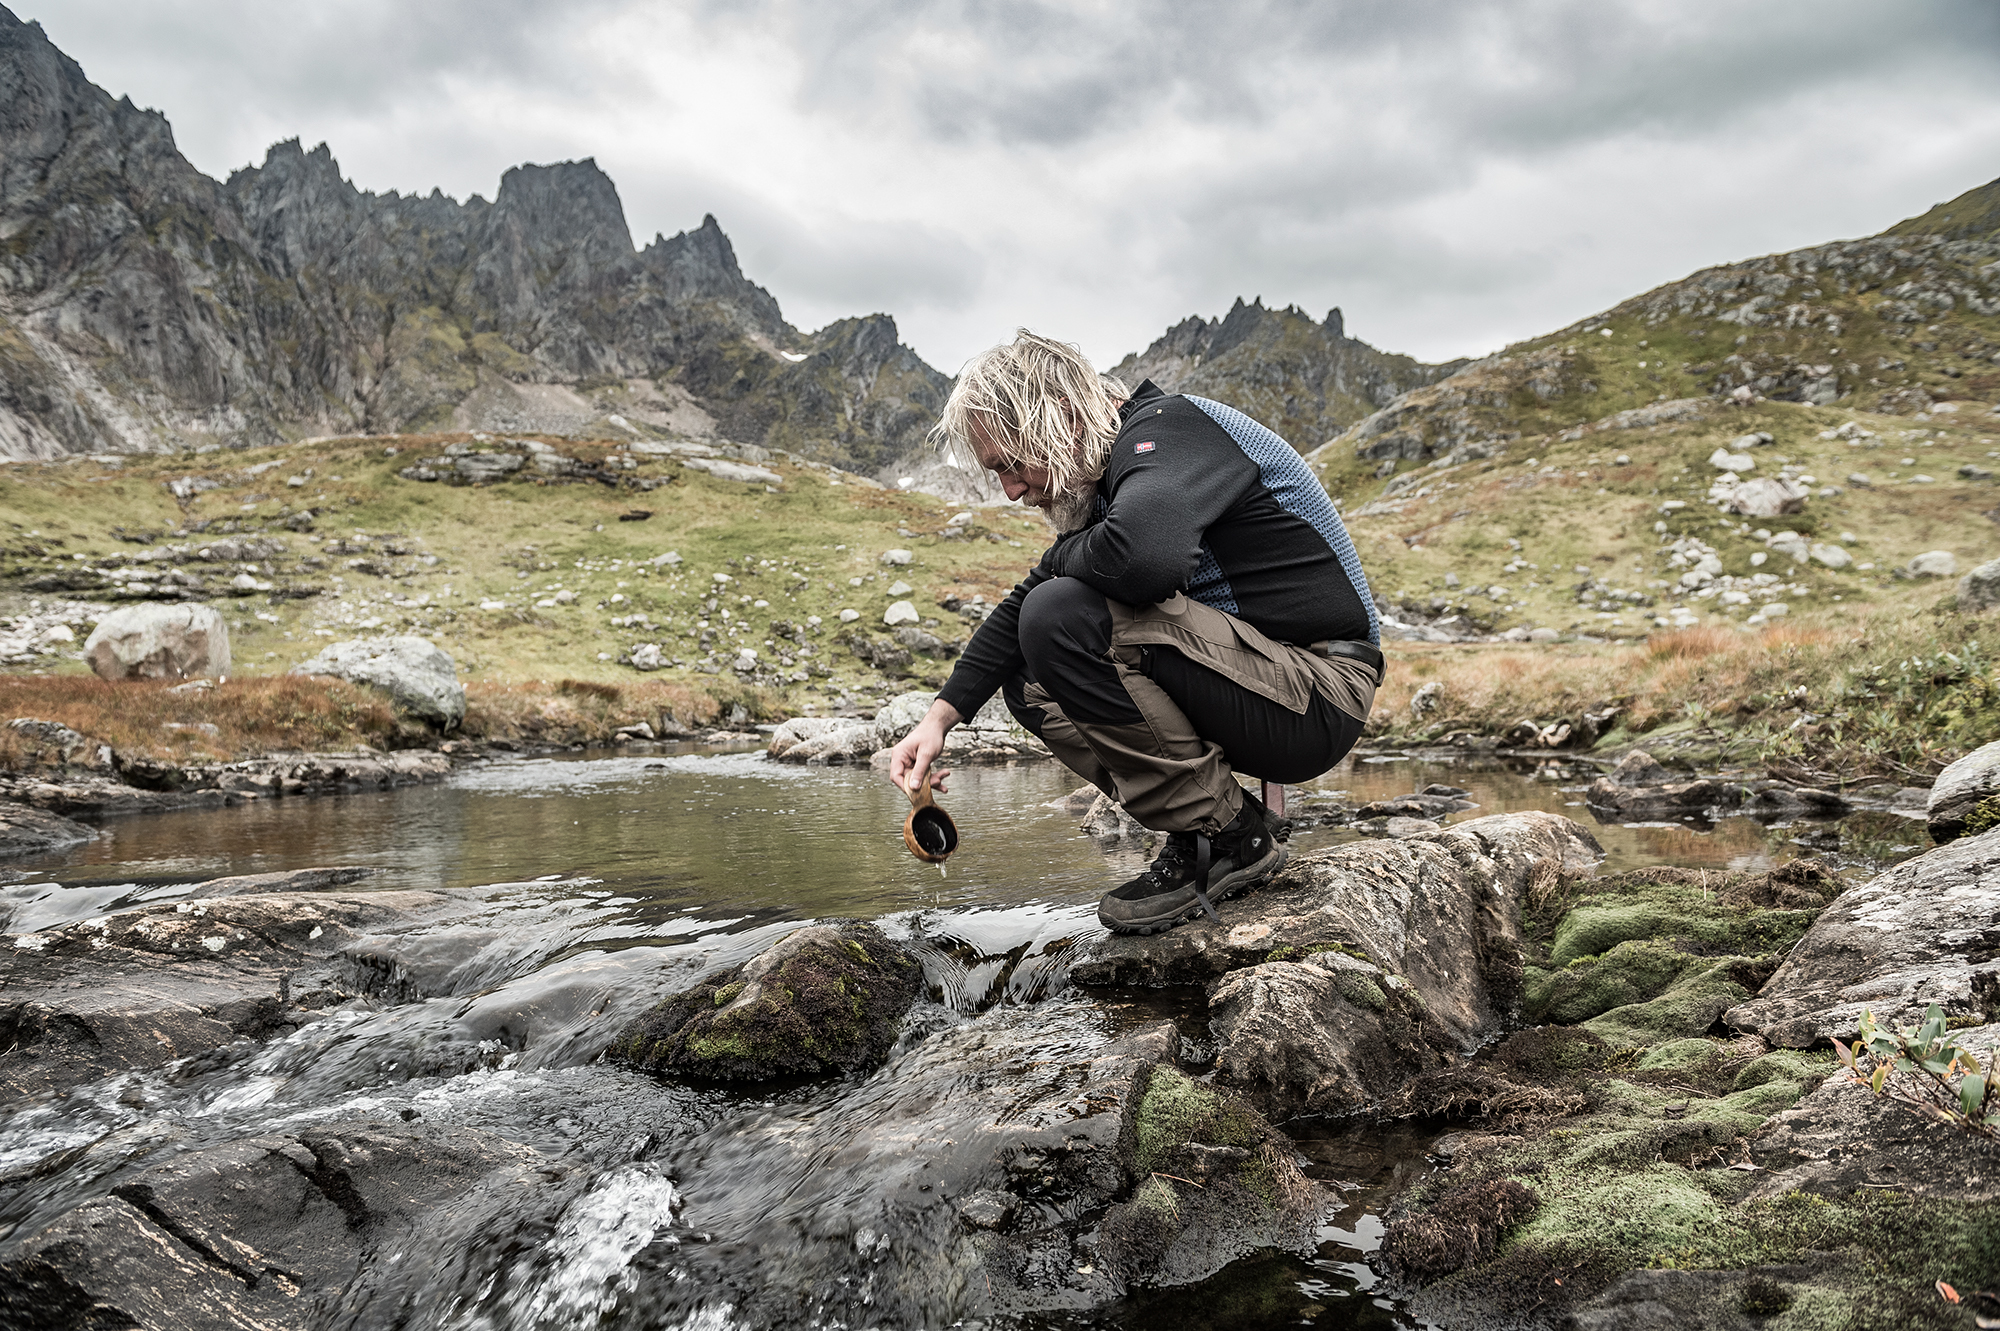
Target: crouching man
{"x":1201,"y":613}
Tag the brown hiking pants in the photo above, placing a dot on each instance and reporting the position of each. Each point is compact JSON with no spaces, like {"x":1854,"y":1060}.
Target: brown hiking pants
{"x":1160,"y":705}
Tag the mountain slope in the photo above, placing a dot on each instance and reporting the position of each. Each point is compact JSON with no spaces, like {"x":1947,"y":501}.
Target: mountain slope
{"x":1307,"y":380}
{"x":145,"y":306}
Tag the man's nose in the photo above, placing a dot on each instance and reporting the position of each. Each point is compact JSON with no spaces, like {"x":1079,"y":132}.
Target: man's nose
{"x":1012,"y":487}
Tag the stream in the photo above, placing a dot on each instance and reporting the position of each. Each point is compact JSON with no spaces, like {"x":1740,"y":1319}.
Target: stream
{"x":591,"y":886}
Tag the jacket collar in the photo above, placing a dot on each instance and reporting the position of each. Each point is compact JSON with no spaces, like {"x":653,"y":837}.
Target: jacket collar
{"x":1145,"y":392}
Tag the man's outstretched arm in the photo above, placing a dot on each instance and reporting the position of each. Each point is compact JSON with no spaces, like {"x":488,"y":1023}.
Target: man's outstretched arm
{"x":911,"y":758}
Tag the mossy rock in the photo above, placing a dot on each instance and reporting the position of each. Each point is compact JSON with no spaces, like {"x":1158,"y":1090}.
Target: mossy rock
{"x":826,"y":999}
{"x":1213,"y":1178}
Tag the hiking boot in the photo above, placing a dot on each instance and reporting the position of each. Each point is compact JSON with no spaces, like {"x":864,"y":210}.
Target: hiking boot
{"x":1192,"y":872}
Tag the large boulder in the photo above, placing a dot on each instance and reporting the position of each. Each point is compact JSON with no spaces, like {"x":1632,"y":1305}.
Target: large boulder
{"x":1979,"y":590}
{"x":1769,"y":497}
{"x":1361,"y":966}
{"x":1919,"y":934}
{"x":1959,"y":792}
{"x":154,"y":641}
{"x":419,"y":677}
{"x":827,"y":998}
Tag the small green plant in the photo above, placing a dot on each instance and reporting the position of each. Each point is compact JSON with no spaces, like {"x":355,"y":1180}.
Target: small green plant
{"x":1917,"y":1068}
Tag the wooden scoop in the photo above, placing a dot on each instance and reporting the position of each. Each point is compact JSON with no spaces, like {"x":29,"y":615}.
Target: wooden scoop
{"x":929,"y":831}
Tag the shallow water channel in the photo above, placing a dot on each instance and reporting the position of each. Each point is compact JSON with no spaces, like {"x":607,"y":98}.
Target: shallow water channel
{"x":598,"y":884}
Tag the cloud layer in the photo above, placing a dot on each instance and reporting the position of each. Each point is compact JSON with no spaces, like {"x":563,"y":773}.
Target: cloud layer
{"x":1453,"y":174}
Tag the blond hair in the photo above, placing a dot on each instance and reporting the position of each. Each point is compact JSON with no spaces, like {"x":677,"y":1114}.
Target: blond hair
{"x":1041,"y":400}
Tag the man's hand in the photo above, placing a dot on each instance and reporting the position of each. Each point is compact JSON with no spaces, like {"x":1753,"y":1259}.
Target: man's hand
{"x":909,"y":760}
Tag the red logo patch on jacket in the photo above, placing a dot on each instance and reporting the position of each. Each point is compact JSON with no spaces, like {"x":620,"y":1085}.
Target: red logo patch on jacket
{"x":1146,"y":447}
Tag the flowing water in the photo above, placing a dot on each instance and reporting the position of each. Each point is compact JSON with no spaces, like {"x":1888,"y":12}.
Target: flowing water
{"x":590,"y":888}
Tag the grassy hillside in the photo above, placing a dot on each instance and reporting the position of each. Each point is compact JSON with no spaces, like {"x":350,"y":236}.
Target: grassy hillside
{"x":521,"y":578}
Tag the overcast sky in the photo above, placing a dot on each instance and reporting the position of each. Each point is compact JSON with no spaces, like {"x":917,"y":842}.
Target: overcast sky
{"x":1454,"y":175}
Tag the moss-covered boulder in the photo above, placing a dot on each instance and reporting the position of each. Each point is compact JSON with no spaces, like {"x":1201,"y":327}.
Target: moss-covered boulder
{"x":826,"y":999}
{"x":1213,"y":1180}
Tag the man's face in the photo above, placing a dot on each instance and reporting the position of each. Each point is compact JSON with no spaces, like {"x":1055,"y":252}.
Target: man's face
{"x":1022,"y":483}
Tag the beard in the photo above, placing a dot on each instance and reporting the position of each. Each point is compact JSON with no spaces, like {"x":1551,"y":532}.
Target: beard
{"x":1071,"y":512}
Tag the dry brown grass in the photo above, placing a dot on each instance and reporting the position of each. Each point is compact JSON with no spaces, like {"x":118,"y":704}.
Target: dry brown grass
{"x":1912,"y":690}
{"x":575,"y":711}
{"x":231,"y":720}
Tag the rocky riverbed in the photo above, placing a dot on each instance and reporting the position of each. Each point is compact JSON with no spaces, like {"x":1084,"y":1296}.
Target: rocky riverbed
{"x":359,"y":1096}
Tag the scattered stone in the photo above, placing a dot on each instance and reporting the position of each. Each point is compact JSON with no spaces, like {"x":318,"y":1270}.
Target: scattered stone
{"x":1832,"y":556}
{"x":155,"y":641}
{"x":1933,"y":564}
{"x":898,"y":588}
{"x":419,"y":677}
{"x":1959,"y":795}
{"x":828,"y":998}
{"x":1915,"y":935}
{"x":1724,"y":460}
{"x":902,"y":612}
{"x":896,"y":556}
{"x":1768,"y":497}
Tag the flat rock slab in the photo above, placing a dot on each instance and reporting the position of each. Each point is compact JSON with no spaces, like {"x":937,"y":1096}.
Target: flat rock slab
{"x":144,"y":987}
{"x":290,"y":880}
{"x":255,"y":1233}
{"x":1924,"y":932}
{"x":26,"y":830}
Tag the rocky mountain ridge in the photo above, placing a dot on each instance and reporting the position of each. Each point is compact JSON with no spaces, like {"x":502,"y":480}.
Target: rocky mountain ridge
{"x":1305,"y":379}
{"x":146,"y":306}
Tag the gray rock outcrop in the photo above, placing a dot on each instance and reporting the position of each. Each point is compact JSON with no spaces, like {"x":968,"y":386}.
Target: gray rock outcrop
{"x":1919,"y":934}
{"x":1639,"y":788}
{"x":419,"y":676}
{"x":159,"y":642}
{"x":1359,"y":967}
{"x":1959,"y":791}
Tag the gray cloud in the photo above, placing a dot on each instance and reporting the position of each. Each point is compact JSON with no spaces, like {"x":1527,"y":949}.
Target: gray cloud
{"x":1453,"y":173}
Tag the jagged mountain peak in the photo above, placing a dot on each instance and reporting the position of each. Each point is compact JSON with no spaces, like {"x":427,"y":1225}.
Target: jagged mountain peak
{"x":1305,"y":378}
{"x":144,"y":305}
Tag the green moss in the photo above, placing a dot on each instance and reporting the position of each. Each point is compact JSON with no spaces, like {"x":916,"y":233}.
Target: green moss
{"x":1788,"y":1065}
{"x":1177,"y":1110}
{"x":1687,"y":1007}
{"x":1695,"y":1056}
{"x":727,"y":994}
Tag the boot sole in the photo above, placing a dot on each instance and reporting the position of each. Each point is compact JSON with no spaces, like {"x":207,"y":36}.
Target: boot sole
{"x":1220,"y":891}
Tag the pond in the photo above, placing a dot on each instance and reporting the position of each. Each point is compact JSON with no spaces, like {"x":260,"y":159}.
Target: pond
{"x":590,"y":882}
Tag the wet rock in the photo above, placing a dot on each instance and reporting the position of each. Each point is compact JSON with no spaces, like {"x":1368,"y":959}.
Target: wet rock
{"x":829,"y":998}
{"x":1212,"y":1174}
{"x":254,"y":1232}
{"x":1106,"y":820}
{"x":144,"y":987}
{"x":1956,"y":797}
{"x":991,"y":1209}
{"x":1360,"y":966}
{"x":159,"y":642}
{"x":290,"y":880}
{"x":1427,"y":806}
{"x":1781,"y":801}
{"x":1639,"y":788}
{"x":25,"y":830}
{"x":419,"y":677}
{"x":1921,"y":933}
